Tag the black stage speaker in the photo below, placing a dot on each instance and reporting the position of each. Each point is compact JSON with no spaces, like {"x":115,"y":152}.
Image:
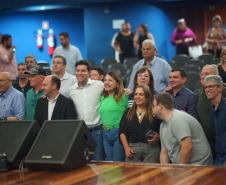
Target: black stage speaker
{"x":16,"y":138}
{"x":60,"y":145}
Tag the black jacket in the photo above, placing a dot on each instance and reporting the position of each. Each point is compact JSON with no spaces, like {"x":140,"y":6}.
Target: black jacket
{"x":64,"y":109}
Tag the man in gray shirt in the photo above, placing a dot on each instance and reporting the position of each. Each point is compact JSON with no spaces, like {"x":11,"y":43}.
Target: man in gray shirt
{"x":182,"y":138}
{"x":71,"y":53}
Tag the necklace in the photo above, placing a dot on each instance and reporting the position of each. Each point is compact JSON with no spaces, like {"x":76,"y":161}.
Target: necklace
{"x":140,"y":115}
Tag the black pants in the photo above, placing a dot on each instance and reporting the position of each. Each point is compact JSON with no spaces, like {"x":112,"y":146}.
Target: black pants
{"x":182,"y":49}
{"x":215,"y":52}
{"x":123,"y":56}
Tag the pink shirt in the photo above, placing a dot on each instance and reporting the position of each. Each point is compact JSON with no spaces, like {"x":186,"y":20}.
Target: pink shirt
{"x":181,"y":35}
{"x":6,"y":64}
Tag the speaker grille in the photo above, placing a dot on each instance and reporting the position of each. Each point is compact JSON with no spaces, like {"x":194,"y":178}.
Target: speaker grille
{"x":16,"y":138}
{"x":54,"y":141}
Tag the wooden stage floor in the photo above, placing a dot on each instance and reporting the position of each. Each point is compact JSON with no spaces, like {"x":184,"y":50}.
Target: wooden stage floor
{"x":107,"y":173}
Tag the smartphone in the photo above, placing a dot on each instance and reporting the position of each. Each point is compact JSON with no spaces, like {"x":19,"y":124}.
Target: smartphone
{"x":148,"y":134}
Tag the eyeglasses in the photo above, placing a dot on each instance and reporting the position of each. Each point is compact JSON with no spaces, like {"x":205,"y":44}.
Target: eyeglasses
{"x":210,"y":86}
{"x":3,"y":80}
{"x":143,"y":75}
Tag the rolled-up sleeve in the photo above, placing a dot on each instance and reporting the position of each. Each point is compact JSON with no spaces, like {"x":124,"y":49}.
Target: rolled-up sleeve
{"x":19,"y":106}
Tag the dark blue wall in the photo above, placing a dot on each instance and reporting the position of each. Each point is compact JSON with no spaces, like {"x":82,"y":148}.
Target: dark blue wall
{"x":99,"y":31}
{"x":89,"y":27}
{"x":23,"y":26}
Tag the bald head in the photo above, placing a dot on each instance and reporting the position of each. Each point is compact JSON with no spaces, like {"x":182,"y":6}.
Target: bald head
{"x":51,"y":85}
{"x":208,"y":70}
{"x":5,"y":75}
{"x":5,"y":81}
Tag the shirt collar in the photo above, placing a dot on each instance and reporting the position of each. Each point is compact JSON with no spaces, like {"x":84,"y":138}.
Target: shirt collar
{"x":220,"y":106}
{"x":5,"y":94}
{"x":152,"y":61}
{"x":40,"y":91}
{"x":89,"y":82}
{"x":179,"y":92}
{"x":65,"y":77}
{"x":54,"y":100}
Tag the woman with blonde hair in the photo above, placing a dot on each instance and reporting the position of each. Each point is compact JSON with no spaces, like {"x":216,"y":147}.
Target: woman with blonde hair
{"x":222,"y":66}
{"x":113,"y":104}
{"x":216,"y":36}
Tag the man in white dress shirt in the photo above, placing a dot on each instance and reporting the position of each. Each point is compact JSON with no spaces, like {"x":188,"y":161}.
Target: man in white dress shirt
{"x":70,"y":52}
{"x":86,"y":95}
{"x":58,"y":68}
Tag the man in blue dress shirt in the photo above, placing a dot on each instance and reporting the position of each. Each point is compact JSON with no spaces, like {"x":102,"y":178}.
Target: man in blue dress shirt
{"x":213,"y":86}
{"x":160,"y":68}
{"x":183,"y":98}
{"x":12,"y":101}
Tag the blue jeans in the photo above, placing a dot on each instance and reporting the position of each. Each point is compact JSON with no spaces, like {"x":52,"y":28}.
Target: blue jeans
{"x":220,"y":159}
{"x":97,"y":135}
{"x":113,"y":149}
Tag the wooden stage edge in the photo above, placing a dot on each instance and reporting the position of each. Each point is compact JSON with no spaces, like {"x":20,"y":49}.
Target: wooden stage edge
{"x":117,"y":173}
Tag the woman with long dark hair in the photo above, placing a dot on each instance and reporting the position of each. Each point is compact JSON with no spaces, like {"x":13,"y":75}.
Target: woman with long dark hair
{"x":139,"y":131}
{"x":141,"y":35}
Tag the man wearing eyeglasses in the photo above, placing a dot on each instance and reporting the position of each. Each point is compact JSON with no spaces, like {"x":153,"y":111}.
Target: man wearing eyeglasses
{"x":12,"y":102}
{"x":213,"y":86}
{"x":204,"y":105}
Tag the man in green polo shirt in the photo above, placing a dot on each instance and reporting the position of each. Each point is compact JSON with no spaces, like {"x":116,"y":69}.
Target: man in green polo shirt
{"x":36,"y":77}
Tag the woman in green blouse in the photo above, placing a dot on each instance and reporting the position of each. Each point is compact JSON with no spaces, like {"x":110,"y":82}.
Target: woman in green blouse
{"x":113,"y":104}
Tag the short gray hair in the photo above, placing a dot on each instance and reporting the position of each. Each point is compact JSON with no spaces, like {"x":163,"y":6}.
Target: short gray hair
{"x":216,"y":79}
{"x":213,"y":67}
{"x":150,"y":42}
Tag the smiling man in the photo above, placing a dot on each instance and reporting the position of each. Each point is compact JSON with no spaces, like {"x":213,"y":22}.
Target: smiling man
{"x":86,"y":94}
{"x":183,"y":98}
{"x":182,"y":138}
{"x":213,"y":86}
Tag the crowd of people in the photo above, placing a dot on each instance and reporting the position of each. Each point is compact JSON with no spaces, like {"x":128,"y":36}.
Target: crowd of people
{"x":155,"y":119}
{"x":128,"y":44}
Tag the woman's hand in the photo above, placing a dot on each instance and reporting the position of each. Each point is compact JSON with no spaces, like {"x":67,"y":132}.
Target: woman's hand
{"x":154,"y":138}
{"x":129,"y":152}
{"x":127,"y":91}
